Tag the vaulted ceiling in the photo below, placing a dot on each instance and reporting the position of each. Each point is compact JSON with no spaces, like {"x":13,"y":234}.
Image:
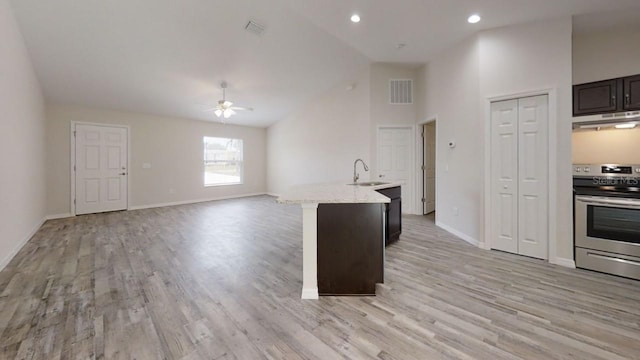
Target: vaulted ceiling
{"x":168,"y":57}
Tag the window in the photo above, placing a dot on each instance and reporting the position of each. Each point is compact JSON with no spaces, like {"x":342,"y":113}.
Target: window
{"x":222,"y":161}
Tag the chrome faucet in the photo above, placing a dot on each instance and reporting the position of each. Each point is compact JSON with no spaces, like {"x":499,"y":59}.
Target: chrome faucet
{"x":356,"y":176}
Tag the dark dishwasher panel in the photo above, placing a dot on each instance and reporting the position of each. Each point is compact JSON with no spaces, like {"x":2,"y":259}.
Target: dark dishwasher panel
{"x":394,"y":214}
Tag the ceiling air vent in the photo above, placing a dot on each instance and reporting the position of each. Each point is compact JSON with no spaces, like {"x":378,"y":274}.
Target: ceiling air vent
{"x":254,"y":27}
{"x":400,"y":91}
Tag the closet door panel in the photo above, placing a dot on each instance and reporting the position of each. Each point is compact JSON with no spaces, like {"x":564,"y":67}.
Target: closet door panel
{"x":504,"y":175}
{"x":533,"y":176}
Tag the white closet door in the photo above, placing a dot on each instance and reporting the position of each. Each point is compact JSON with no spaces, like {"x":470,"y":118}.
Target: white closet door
{"x":504,"y":175}
{"x":532,"y":175}
{"x":519,"y":176}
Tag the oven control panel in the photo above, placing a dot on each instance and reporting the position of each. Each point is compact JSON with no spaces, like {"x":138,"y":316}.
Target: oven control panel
{"x":609,"y":170}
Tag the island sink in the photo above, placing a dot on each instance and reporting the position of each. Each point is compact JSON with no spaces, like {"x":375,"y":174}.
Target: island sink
{"x":369,"y":183}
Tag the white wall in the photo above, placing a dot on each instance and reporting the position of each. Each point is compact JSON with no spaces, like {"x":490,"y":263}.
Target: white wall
{"x":22,"y":137}
{"x":610,"y":146}
{"x":458,"y":83}
{"x":532,"y":57}
{"x":173,"y":146}
{"x":605,"y":55}
{"x":320,"y":141}
{"x":382,"y":113}
{"x":451,"y":84}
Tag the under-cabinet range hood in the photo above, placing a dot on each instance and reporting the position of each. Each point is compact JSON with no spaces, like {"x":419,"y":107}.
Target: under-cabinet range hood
{"x":621,"y":120}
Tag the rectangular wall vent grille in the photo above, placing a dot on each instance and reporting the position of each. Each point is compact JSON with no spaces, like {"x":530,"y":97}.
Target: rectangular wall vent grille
{"x":401,"y":91}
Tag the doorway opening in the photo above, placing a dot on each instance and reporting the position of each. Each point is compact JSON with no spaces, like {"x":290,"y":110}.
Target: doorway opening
{"x":429,"y":168}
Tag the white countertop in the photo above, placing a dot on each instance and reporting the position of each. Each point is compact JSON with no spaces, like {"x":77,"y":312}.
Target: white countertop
{"x":336,"y":193}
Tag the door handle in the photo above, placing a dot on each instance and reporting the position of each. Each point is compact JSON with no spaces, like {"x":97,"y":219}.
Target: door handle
{"x":124,"y":173}
{"x":380,"y":176}
{"x":608,"y":202}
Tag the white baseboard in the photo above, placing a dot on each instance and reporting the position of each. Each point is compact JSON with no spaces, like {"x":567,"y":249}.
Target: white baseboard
{"x":58,"y":216}
{"x":564,"y":262}
{"x":457,"y":233}
{"x":273,"y":194}
{"x":7,"y":259}
{"x":174,"y":203}
{"x":310,"y":294}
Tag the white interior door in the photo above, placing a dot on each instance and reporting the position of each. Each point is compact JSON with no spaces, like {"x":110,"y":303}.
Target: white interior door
{"x":532,"y":176}
{"x":519,"y":176}
{"x":101,"y":154}
{"x":429,"y":167}
{"x":504,"y":175}
{"x":395,"y":149}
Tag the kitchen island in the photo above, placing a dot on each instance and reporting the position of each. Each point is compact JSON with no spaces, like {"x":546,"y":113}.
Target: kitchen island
{"x":344,"y":230}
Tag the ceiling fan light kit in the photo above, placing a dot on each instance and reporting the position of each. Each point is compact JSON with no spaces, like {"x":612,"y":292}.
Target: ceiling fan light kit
{"x":225,"y":107}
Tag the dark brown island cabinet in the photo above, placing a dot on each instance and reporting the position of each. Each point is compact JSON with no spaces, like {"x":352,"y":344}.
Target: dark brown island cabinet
{"x":350,"y":248}
{"x":351,"y":241}
{"x":393,"y":227}
{"x":607,"y":96}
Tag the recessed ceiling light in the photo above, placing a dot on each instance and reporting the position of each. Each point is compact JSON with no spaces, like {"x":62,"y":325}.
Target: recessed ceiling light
{"x":626,"y":126}
{"x":355,"y":18}
{"x":473,"y":19}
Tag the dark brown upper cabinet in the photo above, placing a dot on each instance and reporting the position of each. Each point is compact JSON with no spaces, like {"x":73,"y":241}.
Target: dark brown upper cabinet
{"x":607,"y":96}
{"x":631,"y":86}
{"x":597,"y":97}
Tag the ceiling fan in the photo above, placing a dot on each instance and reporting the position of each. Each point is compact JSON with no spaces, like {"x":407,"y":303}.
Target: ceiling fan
{"x":225,"y":107}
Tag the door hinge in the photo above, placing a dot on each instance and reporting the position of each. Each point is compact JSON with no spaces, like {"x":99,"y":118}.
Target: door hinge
{"x":74,"y":168}
{"x":74,"y":133}
{"x":74,"y":201}
{"x":424,"y":200}
{"x":422,"y":134}
{"x":423,"y":167}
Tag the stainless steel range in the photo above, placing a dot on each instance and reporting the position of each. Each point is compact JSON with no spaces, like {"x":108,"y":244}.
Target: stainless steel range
{"x":607,"y":218}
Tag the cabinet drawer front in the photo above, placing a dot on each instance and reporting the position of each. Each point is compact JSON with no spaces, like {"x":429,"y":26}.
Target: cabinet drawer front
{"x":391,"y":193}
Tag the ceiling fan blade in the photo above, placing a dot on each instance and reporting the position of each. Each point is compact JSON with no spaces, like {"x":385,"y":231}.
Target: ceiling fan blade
{"x":227,"y":104}
{"x":242,"y":108}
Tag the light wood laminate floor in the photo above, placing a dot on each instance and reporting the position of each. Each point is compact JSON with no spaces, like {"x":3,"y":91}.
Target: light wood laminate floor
{"x":223,"y":280}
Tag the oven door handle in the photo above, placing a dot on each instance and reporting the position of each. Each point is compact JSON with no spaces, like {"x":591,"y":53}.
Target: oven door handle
{"x":608,"y":201}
